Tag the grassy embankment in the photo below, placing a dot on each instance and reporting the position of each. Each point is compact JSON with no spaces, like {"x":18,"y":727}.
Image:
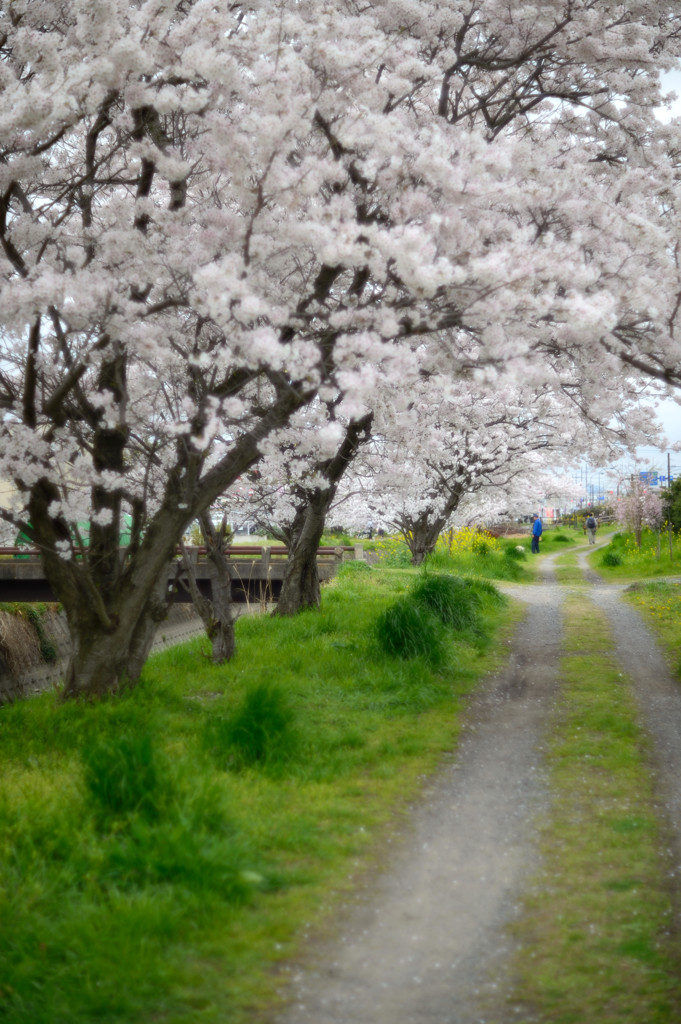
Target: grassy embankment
{"x":161,"y":853}
{"x":466,"y":551}
{"x":596,"y":938}
{"x":658,"y":600}
{"x":623,"y":562}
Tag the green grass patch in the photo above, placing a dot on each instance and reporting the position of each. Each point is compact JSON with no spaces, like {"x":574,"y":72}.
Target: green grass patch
{"x":623,"y":562}
{"x":261,"y":731}
{"x":455,"y":600}
{"x":567,"y":569}
{"x":410,"y":629}
{"x":161,"y":853}
{"x":553,"y":539}
{"x":596,"y":932}
{"x":465,"y":552}
{"x":660,"y":604}
{"x":492,"y":561}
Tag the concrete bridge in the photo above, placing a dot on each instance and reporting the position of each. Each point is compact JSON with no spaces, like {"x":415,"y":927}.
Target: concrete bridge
{"x":257,"y":572}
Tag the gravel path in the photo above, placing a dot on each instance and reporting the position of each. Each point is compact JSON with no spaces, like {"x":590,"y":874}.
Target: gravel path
{"x":426,"y":942}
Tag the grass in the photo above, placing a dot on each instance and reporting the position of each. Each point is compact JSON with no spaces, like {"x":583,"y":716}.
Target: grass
{"x":163,"y":852}
{"x":438,"y":610}
{"x":660,"y":604}
{"x":557,"y":539}
{"x":595,"y":937}
{"x":567,"y":569}
{"x":623,"y":562}
{"x":477,"y":554}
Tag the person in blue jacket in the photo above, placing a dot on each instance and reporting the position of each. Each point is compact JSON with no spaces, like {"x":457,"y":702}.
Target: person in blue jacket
{"x":536,"y":534}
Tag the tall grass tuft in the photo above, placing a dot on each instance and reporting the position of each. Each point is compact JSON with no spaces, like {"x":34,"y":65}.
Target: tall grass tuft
{"x":409,"y":629}
{"x":453,"y":599}
{"x":261,"y":731}
{"x":122,"y":775}
{"x":516,"y":552}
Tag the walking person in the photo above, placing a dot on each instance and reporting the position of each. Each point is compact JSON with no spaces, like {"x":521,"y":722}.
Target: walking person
{"x":591,"y":526}
{"x":536,"y":534}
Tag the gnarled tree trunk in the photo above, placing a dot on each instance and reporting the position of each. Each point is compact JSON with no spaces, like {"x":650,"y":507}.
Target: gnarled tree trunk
{"x":421,"y":536}
{"x":421,"y":532}
{"x":104,"y":661}
{"x":217,"y":612}
{"x":114,"y":598}
{"x":300,"y":588}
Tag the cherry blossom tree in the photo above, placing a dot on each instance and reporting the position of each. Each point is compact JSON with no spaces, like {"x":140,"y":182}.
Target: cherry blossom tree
{"x":311,"y":495}
{"x":211,"y":214}
{"x":639,"y":507}
{"x":456,"y":440}
{"x":534,"y":488}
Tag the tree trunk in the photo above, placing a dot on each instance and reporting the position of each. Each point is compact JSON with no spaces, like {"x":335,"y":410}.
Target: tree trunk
{"x":300,"y":588}
{"x":114,"y":598}
{"x":422,"y":533}
{"x":217,"y":613}
{"x":421,"y":536}
{"x":106,"y":661}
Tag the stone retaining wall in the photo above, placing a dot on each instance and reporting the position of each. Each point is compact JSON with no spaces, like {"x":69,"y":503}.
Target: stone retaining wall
{"x":23,"y":668}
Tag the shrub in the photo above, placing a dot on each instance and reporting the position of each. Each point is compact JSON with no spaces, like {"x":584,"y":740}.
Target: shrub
{"x":611,"y":558}
{"x":482,"y":542}
{"x":561,"y":538}
{"x":672,"y":503}
{"x":451,"y":598}
{"x":261,"y":731}
{"x":408,"y":629}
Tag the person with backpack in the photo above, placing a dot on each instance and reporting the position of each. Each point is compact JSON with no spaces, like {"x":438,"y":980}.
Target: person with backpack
{"x":536,"y":534}
{"x":591,"y":525}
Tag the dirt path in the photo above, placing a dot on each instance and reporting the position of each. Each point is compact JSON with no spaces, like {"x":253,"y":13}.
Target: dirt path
{"x":427,"y":943}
